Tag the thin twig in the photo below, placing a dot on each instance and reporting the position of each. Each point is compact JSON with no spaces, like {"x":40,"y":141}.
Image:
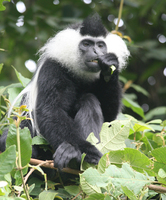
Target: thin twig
{"x":119,"y":15}
{"x":77,"y":195}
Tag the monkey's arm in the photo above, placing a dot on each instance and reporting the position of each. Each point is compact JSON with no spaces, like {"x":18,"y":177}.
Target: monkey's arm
{"x":109,"y":92}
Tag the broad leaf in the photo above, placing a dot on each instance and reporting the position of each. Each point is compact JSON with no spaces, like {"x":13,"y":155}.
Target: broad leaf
{"x":128,"y":177}
{"x":86,"y":186}
{"x":160,"y":156}
{"x":24,"y":81}
{"x":92,"y":181}
{"x":113,"y":138}
{"x":25,"y":142}
{"x":14,"y":85}
{"x":7,"y":161}
{"x":72,"y":189}
{"x":39,"y":140}
{"x":140,"y":89}
{"x":129,"y":193}
{"x":156,"y":112}
{"x":137,"y":160}
{"x":48,"y":195}
{"x":98,"y":197}
{"x":133,"y":105}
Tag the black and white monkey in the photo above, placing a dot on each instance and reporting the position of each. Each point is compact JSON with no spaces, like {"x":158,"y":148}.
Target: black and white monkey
{"x":73,"y":91}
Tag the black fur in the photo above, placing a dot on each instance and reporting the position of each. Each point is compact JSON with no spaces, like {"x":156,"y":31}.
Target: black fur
{"x":70,"y":107}
{"x":93,"y":26}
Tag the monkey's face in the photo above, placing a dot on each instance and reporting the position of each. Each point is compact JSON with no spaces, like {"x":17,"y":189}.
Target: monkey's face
{"x":91,"y":50}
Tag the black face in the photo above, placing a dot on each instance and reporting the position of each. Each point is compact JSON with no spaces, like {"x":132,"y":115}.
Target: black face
{"x":91,"y":50}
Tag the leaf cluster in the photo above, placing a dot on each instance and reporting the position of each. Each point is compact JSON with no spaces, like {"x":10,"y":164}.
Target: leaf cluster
{"x":133,"y":160}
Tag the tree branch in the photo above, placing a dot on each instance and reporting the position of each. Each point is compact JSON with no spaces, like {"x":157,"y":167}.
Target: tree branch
{"x":158,"y":189}
{"x":50,"y":164}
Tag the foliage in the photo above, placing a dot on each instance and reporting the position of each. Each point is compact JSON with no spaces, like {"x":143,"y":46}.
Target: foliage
{"x":133,"y":160}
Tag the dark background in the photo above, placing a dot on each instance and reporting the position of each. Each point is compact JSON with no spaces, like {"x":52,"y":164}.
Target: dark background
{"x":23,"y":34}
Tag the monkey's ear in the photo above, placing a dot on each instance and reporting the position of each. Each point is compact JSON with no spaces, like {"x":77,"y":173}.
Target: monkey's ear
{"x":93,"y":26}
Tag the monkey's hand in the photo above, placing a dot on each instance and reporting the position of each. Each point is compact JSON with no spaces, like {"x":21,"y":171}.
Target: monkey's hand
{"x":64,"y":153}
{"x":109,"y":65}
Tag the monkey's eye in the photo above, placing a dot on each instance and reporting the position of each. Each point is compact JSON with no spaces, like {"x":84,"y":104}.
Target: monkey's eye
{"x":100,"y":45}
{"x":86,"y":44}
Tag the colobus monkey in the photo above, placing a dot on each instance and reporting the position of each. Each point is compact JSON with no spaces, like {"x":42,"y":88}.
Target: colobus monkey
{"x":73,"y":91}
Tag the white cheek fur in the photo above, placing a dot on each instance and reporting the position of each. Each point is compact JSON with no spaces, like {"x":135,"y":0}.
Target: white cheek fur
{"x":116,"y":45}
{"x":63,"y":48}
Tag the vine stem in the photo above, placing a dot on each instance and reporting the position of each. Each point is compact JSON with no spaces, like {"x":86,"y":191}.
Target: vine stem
{"x":19,"y":161}
{"x":120,"y":14}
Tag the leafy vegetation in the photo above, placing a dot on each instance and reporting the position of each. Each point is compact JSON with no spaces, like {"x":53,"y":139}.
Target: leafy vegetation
{"x":133,"y":165}
{"x":133,"y":160}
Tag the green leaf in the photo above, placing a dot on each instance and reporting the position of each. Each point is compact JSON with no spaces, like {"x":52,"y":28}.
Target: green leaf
{"x":157,"y":139}
{"x":139,"y":89}
{"x":48,"y":195}
{"x":157,"y":53}
{"x":163,"y":123}
{"x":147,"y":144}
{"x":39,"y":140}
{"x":38,"y":184}
{"x":3,"y":89}
{"x":163,"y":196}
{"x":141,"y":126}
{"x":24,"y":81}
{"x":2,"y":7}
{"x":13,"y":93}
{"x":156,"y":112}
{"x":122,"y":79}
{"x":72,"y":189}
{"x":18,"y":188}
{"x":160,"y":156}
{"x":92,"y":139}
{"x":96,"y":196}
{"x":113,"y":138}
{"x":130,"y":194}
{"x":92,"y":181}
{"x":128,"y":177}
{"x":88,"y":175}
{"x":133,"y":105}
{"x":12,"y":198}
{"x":25,"y":142}
{"x":155,"y":121}
{"x":1,"y":67}
{"x":162,"y":173}
{"x":93,"y":177}
{"x":7,"y":161}
{"x":137,"y":160}
{"x":31,"y":188}
{"x":112,"y":67}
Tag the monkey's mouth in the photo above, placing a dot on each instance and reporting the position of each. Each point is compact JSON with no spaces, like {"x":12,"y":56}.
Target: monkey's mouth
{"x":95,"y":61}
